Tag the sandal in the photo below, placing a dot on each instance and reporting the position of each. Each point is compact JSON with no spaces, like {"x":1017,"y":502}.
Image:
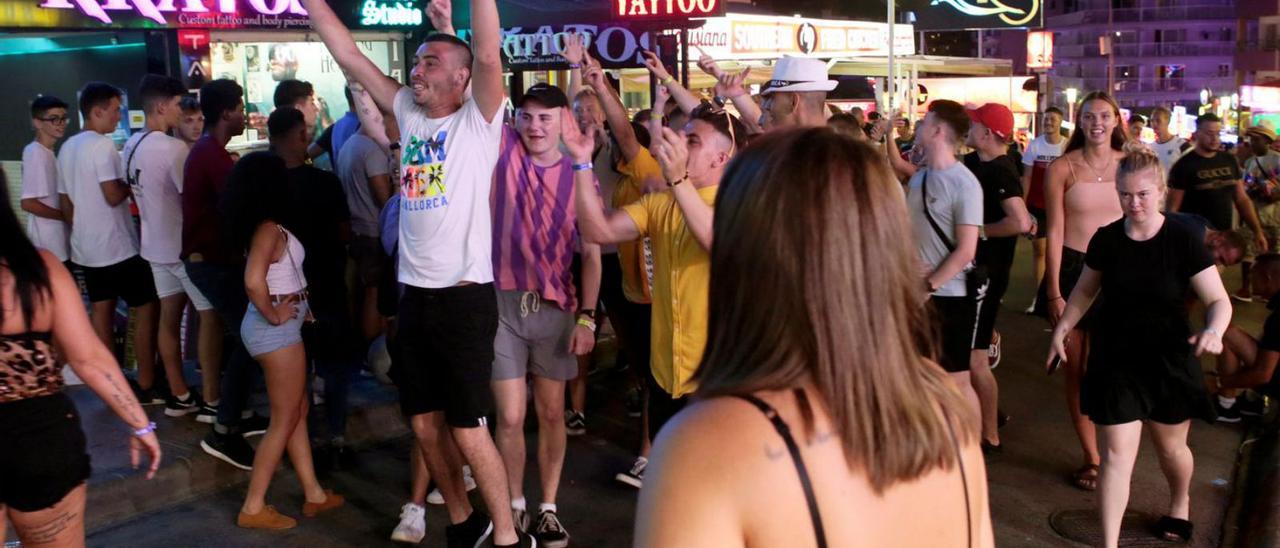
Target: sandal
{"x":1173,"y":529}
{"x":1086,"y":477}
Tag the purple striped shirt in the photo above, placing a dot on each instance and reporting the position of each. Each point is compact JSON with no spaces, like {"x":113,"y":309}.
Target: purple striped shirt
{"x":534,"y":226}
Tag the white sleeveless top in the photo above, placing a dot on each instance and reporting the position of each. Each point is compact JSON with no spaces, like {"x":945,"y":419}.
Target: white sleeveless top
{"x":285,"y":276}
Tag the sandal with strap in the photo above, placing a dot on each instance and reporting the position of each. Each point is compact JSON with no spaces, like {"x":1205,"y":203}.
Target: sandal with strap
{"x":1173,"y":529}
{"x":1086,"y":477}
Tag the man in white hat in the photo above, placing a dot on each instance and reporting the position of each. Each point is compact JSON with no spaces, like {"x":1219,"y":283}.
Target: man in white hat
{"x":796,"y":95}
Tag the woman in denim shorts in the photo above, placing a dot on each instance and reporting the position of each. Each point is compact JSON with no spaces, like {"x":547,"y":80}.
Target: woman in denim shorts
{"x":272,"y":332}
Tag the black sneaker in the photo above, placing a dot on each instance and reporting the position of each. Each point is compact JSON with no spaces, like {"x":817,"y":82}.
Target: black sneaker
{"x":229,"y":448}
{"x":550,"y":532}
{"x":634,"y":402}
{"x":147,"y":396}
{"x":470,"y":533}
{"x":523,"y":540}
{"x":174,"y":407}
{"x":520,"y":519}
{"x":1228,"y":414}
{"x":575,"y":423}
{"x":991,"y":450}
{"x":208,"y":414}
{"x":253,"y":425}
{"x":1251,"y":408}
{"x":635,"y":476}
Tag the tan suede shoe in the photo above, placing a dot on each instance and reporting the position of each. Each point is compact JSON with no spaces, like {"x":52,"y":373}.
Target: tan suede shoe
{"x":268,"y":518}
{"x":332,"y":500}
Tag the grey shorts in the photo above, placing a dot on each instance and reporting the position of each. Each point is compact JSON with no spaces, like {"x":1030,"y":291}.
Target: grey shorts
{"x":533,"y":337}
{"x":260,"y":337}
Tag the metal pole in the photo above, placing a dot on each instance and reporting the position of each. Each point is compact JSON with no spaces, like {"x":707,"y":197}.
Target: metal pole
{"x":890,"y":87}
{"x":684,"y":57}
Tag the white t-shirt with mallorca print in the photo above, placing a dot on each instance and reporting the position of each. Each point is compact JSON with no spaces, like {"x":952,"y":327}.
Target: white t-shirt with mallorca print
{"x":446,"y":172}
{"x":153,"y":168}
{"x":40,"y":181}
{"x":101,"y":234}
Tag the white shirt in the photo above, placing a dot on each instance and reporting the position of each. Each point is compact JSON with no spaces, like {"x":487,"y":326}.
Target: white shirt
{"x":1170,"y":151}
{"x":40,"y":181}
{"x":446,"y":173}
{"x":153,"y":169}
{"x":101,"y":234}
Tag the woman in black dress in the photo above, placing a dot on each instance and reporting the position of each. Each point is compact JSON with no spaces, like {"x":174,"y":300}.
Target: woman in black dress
{"x":1143,"y":367}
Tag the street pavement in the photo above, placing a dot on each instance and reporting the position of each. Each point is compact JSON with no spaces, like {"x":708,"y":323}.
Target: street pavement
{"x":1032,"y":503}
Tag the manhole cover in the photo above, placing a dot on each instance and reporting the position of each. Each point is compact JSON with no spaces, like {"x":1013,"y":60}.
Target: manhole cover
{"x":1083,"y":526}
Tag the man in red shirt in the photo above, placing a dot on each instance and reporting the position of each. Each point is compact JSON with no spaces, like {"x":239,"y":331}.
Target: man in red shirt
{"x":216,"y":268}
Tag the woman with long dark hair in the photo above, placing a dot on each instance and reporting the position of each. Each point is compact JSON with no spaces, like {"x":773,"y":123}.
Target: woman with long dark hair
{"x":813,"y":356}
{"x":1143,"y":368}
{"x":1080,"y":197}
{"x":43,"y":465}
{"x":259,"y":214}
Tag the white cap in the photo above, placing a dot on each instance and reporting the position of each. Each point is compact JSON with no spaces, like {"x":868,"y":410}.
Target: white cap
{"x":799,"y":74}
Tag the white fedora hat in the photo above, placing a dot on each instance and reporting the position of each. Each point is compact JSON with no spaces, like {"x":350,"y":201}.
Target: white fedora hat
{"x":799,"y":74}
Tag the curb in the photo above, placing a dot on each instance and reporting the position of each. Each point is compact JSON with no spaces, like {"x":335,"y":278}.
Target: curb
{"x":116,"y":496}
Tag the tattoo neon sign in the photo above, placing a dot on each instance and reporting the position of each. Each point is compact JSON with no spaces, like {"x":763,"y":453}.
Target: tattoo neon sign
{"x":156,"y":10}
{"x":650,"y":9}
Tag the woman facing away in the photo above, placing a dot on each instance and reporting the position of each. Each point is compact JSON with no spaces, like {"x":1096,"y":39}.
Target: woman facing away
{"x":842,"y":431}
{"x":43,"y":465}
{"x":1143,"y":368}
{"x":258,"y":208}
{"x":1080,"y":197}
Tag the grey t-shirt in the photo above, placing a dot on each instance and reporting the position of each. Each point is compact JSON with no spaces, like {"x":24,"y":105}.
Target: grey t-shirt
{"x":359,"y":160}
{"x":955,"y":198}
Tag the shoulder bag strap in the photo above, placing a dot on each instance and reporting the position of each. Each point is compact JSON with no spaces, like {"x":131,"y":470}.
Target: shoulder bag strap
{"x":924,"y":200}
{"x":785,"y":431}
{"x":129,"y":177}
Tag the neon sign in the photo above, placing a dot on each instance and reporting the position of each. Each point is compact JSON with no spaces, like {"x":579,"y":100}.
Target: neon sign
{"x":670,"y":9}
{"x":974,"y":14}
{"x":399,"y":14}
{"x":156,"y":11}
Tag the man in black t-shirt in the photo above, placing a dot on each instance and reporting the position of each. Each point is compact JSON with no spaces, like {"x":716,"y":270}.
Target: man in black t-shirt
{"x":1251,"y":363}
{"x":1004,"y":218}
{"x":1208,"y":182}
{"x":322,"y":224}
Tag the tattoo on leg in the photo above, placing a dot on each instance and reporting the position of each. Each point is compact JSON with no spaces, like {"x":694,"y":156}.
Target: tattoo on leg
{"x":48,"y":531}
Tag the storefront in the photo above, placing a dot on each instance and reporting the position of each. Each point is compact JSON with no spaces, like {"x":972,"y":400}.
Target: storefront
{"x":255,"y":42}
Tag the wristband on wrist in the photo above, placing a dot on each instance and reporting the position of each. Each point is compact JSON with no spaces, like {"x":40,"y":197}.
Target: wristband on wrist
{"x":584,"y":166}
{"x":148,"y":429}
{"x":587,"y":323}
{"x":1212,"y":330}
{"x":667,"y":80}
{"x":574,"y":66}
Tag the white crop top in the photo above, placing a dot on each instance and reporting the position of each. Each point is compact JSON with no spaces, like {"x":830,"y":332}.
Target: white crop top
{"x":285,"y":276}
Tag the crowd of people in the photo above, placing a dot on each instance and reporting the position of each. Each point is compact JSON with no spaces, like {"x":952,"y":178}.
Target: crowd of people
{"x":484,"y":242}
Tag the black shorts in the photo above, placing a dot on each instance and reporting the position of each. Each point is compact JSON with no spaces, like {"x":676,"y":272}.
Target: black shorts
{"x":446,"y":352}
{"x":369,"y":259}
{"x":956,"y":319}
{"x":989,"y":306}
{"x":1042,"y":221}
{"x":44,"y":456}
{"x":130,"y":279}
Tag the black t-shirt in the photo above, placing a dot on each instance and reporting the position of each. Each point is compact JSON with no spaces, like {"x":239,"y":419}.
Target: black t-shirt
{"x":1199,"y":225}
{"x":1209,"y":184}
{"x":999,"y":180}
{"x":319,"y":212}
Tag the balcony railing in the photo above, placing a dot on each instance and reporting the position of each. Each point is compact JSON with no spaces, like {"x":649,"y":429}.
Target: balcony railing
{"x":1148,"y":85}
{"x":1203,"y":10}
{"x":1149,"y":49}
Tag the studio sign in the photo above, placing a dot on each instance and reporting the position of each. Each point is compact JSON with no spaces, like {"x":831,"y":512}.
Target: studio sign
{"x":615,"y":45}
{"x":1010,"y":15}
{"x":155,"y":10}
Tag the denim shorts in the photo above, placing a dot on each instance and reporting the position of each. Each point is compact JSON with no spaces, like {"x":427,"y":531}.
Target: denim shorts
{"x":260,"y":337}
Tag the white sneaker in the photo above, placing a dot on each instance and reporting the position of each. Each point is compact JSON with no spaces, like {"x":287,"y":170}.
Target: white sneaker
{"x":413,"y":524}
{"x":437,"y":499}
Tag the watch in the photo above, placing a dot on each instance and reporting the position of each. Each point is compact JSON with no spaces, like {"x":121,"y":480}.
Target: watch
{"x":588,"y":312}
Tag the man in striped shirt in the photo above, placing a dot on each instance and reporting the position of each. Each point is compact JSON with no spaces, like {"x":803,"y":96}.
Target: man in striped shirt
{"x":534,"y":238}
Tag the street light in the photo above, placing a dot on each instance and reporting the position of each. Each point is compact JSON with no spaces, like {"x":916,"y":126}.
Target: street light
{"x":1204,"y":96}
{"x":1071,"y":103}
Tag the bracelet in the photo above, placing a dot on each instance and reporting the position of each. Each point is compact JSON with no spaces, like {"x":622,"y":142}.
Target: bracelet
{"x":583,"y":167}
{"x":678,"y":181}
{"x":1212,"y":330}
{"x":575,"y":66}
{"x":588,"y":312}
{"x":667,"y":80}
{"x":148,"y":429}
{"x":584,"y":322}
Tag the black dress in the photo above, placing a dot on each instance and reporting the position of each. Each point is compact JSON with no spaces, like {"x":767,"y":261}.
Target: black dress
{"x":1141,"y":366}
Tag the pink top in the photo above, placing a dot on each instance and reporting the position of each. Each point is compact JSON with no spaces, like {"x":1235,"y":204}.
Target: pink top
{"x":1087,"y":205}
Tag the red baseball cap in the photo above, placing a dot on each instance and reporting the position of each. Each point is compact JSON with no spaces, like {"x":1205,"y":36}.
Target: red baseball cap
{"x":995,"y":116}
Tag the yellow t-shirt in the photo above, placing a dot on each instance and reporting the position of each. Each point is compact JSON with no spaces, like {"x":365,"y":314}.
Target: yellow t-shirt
{"x":681,"y":277}
{"x":637,"y":261}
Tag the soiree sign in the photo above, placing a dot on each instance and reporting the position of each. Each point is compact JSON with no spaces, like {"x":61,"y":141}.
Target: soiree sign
{"x":739,"y":36}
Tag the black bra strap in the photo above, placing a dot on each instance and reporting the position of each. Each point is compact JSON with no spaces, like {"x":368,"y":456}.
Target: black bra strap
{"x":785,"y":431}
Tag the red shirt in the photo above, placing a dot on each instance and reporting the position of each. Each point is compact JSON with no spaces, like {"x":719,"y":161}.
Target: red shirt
{"x":204,"y":179}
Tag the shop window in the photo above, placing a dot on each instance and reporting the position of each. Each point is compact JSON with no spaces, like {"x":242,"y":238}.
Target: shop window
{"x":1125,"y":72}
{"x":1171,"y":71}
{"x":1224,"y":70}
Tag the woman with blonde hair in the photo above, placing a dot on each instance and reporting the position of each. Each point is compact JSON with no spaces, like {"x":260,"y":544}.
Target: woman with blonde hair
{"x":1080,"y":197}
{"x":814,"y":357}
{"x":1143,"y":368}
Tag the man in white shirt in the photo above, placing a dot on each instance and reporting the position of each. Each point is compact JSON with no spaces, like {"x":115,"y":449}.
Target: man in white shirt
{"x":104,"y":241}
{"x":1039,"y":154}
{"x":448,"y":315}
{"x":1168,"y":147}
{"x":46,"y":222}
{"x":153,"y":168}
